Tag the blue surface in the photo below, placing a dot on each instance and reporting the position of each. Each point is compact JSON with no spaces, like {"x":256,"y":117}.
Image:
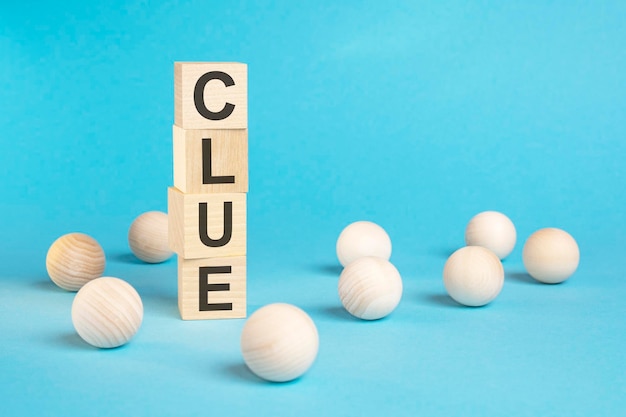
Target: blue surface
{"x":415,"y":115}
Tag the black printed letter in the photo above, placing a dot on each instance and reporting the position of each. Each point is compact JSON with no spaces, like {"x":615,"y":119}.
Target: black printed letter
{"x":198,"y":95}
{"x":207,"y":176}
{"x":203,"y":225}
{"x":205,"y":288}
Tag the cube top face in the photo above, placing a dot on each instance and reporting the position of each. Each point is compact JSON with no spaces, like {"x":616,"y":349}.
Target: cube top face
{"x":211,"y":95}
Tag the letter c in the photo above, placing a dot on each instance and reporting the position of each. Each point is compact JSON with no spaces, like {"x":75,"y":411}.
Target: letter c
{"x":198,"y":95}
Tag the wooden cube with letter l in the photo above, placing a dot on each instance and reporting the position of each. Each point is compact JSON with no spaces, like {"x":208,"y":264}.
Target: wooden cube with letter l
{"x":210,"y":161}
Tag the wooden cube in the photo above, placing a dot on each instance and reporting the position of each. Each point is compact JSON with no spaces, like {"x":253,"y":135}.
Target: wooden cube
{"x":213,"y":288}
{"x":211,"y":161}
{"x":206,"y":225}
{"x":211,"y":95}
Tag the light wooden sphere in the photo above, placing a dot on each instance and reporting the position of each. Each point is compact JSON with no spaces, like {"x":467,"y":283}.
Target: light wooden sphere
{"x":279,"y":342}
{"x":147,"y":237}
{"x":107,"y":312}
{"x":370,"y":288}
{"x":473,"y":276}
{"x":491,"y":230}
{"x":551,"y":255}
{"x":73,"y":260}
{"x":361,"y":239}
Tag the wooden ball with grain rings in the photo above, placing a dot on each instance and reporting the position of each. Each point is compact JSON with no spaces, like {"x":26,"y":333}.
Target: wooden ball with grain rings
{"x":73,"y":260}
{"x":551,"y":255}
{"x":492,"y":230}
{"x":370,"y":288}
{"x":473,"y":276}
{"x":148,"y":237}
{"x":360,"y":239}
{"x":107,"y":312}
{"x":279,"y":342}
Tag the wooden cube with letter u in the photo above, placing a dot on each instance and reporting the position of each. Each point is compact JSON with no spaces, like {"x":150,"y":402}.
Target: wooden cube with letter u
{"x":207,"y":225}
{"x":212,"y":288}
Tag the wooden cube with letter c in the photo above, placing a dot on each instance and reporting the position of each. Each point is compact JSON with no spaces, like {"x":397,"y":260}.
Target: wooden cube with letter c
{"x":212,"y":288}
{"x":206,"y":225}
{"x":211,"y":95}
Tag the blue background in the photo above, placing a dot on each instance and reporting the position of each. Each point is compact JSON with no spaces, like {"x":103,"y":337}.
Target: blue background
{"x":413,"y":114}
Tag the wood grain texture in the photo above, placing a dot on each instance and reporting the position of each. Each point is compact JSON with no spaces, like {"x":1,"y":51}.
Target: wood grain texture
{"x":184,"y":213}
{"x":229,"y":151}
{"x":473,"y":276}
{"x":147,"y":237}
{"x":107,"y":312}
{"x":370,"y":288}
{"x":551,"y":255}
{"x":73,"y":260}
{"x":279,"y":342}
{"x":216,"y":95}
{"x":190,"y":277}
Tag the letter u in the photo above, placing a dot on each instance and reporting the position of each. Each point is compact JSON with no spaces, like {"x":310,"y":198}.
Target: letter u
{"x":203,"y":224}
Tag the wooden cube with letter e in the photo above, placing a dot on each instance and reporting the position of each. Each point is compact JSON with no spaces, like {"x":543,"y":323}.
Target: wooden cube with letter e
{"x":212,"y":288}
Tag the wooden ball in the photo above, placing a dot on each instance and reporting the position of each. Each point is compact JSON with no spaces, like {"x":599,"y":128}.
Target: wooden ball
{"x":361,"y":239}
{"x":107,"y":312}
{"x":279,"y":342}
{"x":492,"y":230}
{"x":473,"y":276}
{"x":551,"y":255}
{"x":148,"y":237}
{"x":73,"y":260}
{"x":370,"y":288}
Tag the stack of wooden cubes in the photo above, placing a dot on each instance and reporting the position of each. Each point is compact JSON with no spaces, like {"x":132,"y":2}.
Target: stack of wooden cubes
{"x":207,"y":204}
